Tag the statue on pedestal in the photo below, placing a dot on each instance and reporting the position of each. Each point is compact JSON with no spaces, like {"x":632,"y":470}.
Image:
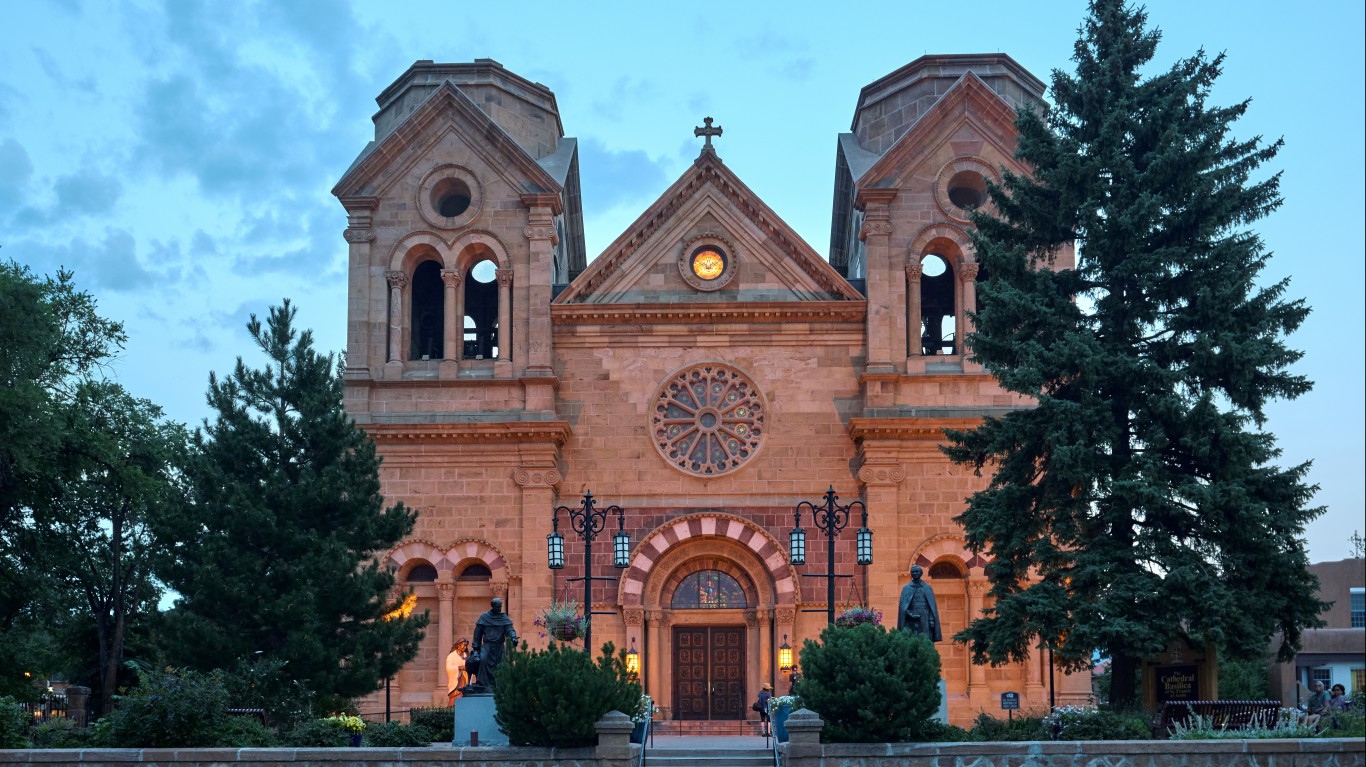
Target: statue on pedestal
{"x":918,"y":612}
{"x":491,"y":634}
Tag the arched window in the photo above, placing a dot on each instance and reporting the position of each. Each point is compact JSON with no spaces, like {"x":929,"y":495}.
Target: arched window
{"x":481,"y":312}
{"x":708,"y":589}
{"x":429,"y":312}
{"x":945,"y":570}
{"x":476,"y":572}
{"x":421,"y":573}
{"x":938,"y":319}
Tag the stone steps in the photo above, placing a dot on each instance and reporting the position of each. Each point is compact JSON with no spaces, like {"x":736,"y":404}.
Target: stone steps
{"x":747,"y":757}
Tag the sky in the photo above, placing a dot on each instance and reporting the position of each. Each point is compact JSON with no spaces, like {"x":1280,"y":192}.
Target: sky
{"x":179,"y":156}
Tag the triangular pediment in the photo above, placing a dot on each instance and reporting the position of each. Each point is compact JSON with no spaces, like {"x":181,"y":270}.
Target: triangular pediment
{"x":968,"y":116}
{"x":447,"y":114}
{"x":708,"y":204}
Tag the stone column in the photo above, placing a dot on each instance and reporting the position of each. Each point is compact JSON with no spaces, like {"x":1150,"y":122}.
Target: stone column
{"x":913,"y":318}
{"x":884,"y":326}
{"x":537,"y":478}
{"x":881,"y":476}
{"x":968,"y":274}
{"x":502,"y":368}
{"x":766,"y":653}
{"x":77,"y":699}
{"x":977,"y":673}
{"x":445,"y":628}
{"x":654,"y":652}
{"x":397,"y":282}
{"x":454,"y":330}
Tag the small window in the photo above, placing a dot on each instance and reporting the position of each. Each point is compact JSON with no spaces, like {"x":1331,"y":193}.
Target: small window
{"x":945,"y":570}
{"x":1358,"y":603}
{"x":423,"y":573}
{"x":708,"y":590}
{"x":1358,"y":680}
{"x":475,"y":572}
{"x":1324,"y":675}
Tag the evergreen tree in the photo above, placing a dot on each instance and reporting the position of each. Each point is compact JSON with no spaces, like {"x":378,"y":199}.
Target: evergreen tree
{"x":276,"y":550}
{"x":1140,"y":498}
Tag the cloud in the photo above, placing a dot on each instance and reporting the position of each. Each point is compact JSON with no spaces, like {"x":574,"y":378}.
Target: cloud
{"x":88,"y":192}
{"x":625,"y":91}
{"x":611,"y":178}
{"x":15,"y":171}
{"x":110,"y":263}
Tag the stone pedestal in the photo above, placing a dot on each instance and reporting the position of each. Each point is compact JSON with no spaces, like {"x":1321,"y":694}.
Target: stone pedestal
{"x":474,"y":713}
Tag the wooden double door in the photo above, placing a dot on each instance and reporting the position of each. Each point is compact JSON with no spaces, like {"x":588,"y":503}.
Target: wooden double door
{"x":709,"y":672}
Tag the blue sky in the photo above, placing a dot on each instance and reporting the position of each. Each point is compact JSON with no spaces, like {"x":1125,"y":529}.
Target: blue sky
{"x":179,"y":155}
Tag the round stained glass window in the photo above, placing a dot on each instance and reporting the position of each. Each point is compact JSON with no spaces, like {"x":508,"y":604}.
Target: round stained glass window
{"x":708,"y":419}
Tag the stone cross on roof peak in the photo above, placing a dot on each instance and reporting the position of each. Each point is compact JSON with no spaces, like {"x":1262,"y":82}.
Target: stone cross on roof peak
{"x":707,"y":132}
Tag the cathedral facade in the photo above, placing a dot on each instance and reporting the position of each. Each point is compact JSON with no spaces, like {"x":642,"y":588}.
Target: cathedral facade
{"x":707,"y":374}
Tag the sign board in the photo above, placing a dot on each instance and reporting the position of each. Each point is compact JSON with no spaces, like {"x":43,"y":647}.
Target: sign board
{"x":1178,"y":683}
{"x":1010,"y":701}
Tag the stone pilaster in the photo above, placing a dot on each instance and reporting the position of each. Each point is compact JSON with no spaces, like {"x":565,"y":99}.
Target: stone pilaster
{"x":886,"y":320}
{"x":454,"y":325}
{"x":541,"y":239}
{"x":361,"y":324}
{"x":968,"y":282}
{"x":503,"y":367}
{"x":913,"y":319}
{"x":978,"y":692}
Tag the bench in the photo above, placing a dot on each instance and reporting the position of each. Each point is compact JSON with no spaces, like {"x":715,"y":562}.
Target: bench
{"x":257,"y":713}
{"x":1223,"y":714}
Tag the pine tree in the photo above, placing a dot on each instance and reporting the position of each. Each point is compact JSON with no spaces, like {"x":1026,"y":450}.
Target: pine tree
{"x":276,"y":550}
{"x":1140,"y":498}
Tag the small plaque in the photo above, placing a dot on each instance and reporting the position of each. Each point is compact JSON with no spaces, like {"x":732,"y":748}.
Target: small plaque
{"x":1010,"y":701}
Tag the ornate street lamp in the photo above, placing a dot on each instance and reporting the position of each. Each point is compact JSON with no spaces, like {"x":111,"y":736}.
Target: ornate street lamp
{"x":830,"y":518}
{"x":588,"y":521}
{"x":633,"y":660}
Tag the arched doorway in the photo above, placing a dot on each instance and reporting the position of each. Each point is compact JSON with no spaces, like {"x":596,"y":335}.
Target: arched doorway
{"x":709,"y":657}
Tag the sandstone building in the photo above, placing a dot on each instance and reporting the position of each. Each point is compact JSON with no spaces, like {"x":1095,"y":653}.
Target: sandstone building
{"x":707,"y":372}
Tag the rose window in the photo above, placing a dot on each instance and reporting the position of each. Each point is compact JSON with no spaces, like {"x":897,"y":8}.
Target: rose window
{"x":708,"y":420}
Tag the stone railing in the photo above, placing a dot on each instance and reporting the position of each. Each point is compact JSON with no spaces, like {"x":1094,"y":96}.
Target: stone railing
{"x":804,"y":749}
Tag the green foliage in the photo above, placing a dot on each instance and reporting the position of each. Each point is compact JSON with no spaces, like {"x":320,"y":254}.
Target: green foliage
{"x":13,"y":722}
{"x":60,"y":733}
{"x":935,"y":731}
{"x":1205,"y":728}
{"x":246,"y":732}
{"x":1350,"y":723}
{"x":317,"y":732}
{"x":169,"y":709}
{"x":1139,"y":498}
{"x":870,"y":685}
{"x":1082,"y":723}
{"x":988,"y":729}
{"x":554,"y":697}
{"x":265,"y":683}
{"x":397,"y":734}
{"x":1244,"y":679}
{"x":439,"y":720}
{"x":275,"y":549}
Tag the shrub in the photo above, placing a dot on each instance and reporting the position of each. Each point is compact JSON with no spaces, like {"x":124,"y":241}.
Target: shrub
{"x":264,"y":684}
{"x":169,"y":709}
{"x":397,"y":734}
{"x":60,"y":733}
{"x":246,"y":732}
{"x":317,"y":732}
{"x":1204,"y":728}
{"x":988,"y":729}
{"x":870,"y":685}
{"x":439,"y":721}
{"x":553,"y":697}
{"x":13,"y":722}
{"x":935,"y":731}
{"x":1081,"y":723}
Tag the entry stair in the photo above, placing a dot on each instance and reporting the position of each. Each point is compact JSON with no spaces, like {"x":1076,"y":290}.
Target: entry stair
{"x":708,"y":757}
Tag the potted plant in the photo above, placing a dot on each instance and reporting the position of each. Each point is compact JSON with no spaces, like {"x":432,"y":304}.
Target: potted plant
{"x":779,"y":708}
{"x":858,"y":615}
{"x":645,"y":711}
{"x":351,"y":725}
{"x":562,"y":621}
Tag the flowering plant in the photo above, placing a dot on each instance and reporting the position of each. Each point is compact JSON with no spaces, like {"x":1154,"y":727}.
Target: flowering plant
{"x":778,"y":701}
{"x":855,"y":616}
{"x":347,"y":723}
{"x":645,"y":710}
{"x":562,"y":621}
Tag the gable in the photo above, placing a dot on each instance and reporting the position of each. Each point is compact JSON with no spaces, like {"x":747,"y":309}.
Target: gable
{"x":446,"y":113}
{"x":708,"y":207}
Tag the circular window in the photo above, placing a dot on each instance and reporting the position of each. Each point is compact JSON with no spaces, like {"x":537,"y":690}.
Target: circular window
{"x":707,"y":262}
{"x":708,"y":420}
{"x":448,"y":197}
{"x":961,"y":187}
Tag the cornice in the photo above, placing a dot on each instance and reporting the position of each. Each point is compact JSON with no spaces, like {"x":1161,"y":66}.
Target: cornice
{"x":929,"y":428}
{"x":710,"y":313}
{"x":552,"y":432}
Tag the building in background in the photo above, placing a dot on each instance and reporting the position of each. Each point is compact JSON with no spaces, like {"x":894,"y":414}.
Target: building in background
{"x":1336,"y":653}
{"x":707,"y":372}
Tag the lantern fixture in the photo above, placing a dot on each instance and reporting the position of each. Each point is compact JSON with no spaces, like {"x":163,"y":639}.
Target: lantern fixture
{"x":830,"y":518}
{"x":621,"y":549}
{"x":633,"y":660}
{"x":796,"y":543}
{"x":785,"y":656}
{"x":588,"y":521}
{"x":554,"y":549}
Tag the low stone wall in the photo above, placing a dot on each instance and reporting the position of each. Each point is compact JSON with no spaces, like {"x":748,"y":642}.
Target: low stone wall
{"x":804,"y":749}
{"x":321,"y":757}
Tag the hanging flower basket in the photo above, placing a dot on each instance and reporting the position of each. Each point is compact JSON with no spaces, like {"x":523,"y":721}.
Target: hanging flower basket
{"x":562,"y":621}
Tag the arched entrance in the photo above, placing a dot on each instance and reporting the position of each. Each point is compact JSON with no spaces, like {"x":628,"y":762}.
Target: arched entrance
{"x":711,"y":586}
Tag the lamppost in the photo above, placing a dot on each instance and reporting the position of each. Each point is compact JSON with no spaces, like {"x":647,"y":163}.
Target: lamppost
{"x":830,"y":518}
{"x":588,"y":521}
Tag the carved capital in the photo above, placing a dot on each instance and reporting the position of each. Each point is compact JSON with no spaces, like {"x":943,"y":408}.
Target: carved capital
{"x":451,"y":277}
{"x":445,"y":591}
{"x":634,"y":616}
{"x":536,"y":476}
{"x":535,"y":232}
{"x":358,"y":235}
{"x":500,"y":589}
{"x":913,"y":272}
{"x":969,"y":271}
{"x":875,"y":228}
{"x":504,"y":278}
{"x":396,"y":279}
{"x":752,"y":618}
{"x":785,"y":616}
{"x":882,"y":474}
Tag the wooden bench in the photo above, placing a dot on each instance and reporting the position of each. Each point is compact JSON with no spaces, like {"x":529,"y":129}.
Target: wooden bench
{"x":1223,"y":714}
